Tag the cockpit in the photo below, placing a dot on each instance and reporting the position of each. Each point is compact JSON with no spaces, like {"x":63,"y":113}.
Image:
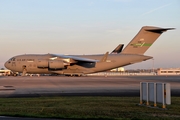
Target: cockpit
{"x":11,"y":59}
{"x":10,"y":63}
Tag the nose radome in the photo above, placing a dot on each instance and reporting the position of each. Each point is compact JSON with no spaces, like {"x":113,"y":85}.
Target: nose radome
{"x":6,"y":65}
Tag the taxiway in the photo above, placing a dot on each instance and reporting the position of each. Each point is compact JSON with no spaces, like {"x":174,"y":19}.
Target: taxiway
{"x":80,"y":86}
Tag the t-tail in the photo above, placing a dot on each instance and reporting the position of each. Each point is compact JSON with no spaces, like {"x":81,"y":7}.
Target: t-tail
{"x":144,"y":39}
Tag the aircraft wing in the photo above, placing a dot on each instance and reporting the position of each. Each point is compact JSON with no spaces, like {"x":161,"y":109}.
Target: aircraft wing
{"x":74,"y":59}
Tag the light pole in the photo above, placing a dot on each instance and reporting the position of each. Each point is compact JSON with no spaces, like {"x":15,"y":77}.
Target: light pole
{"x":153,"y":65}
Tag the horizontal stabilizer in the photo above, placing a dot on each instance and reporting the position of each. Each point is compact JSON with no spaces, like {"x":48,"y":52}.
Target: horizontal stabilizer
{"x":159,"y":30}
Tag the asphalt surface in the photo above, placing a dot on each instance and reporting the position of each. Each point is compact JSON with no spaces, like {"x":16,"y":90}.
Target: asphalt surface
{"x":80,"y":86}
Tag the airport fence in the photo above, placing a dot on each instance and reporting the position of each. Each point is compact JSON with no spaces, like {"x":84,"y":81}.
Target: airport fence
{"x":120,"y":74}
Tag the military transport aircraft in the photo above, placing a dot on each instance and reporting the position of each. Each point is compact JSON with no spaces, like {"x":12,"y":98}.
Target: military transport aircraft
{"x":86,"y":64}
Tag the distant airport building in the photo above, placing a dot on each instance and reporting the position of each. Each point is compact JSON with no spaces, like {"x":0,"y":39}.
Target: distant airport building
{"x":120,"y":69}
{"x":5,"y":72}
{"x":168,"y":71}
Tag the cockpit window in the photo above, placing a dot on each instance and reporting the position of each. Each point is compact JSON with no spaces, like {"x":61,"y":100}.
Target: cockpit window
{"x":12,"y":59}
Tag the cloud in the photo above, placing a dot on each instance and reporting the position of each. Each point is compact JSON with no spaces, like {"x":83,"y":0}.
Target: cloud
{"x":155,"y":9}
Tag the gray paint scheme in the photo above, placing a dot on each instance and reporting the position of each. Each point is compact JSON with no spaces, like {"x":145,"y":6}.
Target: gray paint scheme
{"x":85,"y":64}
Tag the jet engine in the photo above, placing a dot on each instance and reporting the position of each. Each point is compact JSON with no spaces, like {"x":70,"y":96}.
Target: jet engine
{"x":57,"y":64}
{"x":42,"y":63}
{"x":51,"y":64}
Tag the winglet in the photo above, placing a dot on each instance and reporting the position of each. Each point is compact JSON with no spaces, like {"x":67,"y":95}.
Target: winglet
{"x":104,"y":58}
{"x":118,"y":49}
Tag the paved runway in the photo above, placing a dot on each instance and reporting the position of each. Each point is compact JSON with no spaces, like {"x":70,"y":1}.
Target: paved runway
{"x":80,"y":86}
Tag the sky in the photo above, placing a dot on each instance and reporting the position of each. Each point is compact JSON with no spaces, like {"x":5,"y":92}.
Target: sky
{"x":88,"y":27}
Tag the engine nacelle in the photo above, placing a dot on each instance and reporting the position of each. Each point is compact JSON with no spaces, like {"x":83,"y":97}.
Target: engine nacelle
{"x":42,"y":63}
{"x":56,"y":64}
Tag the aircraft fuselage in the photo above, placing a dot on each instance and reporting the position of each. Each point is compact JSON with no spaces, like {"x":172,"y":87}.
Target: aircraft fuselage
{"x":48,"y":63}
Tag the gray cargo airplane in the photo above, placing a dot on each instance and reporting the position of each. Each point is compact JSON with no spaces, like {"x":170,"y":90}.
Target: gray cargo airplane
{"x":86,"y":64}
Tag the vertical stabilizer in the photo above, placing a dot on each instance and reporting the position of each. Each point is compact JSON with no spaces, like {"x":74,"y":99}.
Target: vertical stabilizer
{"x":144,"y":39}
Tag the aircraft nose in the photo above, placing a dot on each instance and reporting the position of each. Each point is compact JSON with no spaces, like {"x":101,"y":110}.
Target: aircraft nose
{"x":6,"y":64}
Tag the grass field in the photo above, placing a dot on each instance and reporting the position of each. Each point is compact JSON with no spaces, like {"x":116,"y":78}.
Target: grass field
{"x":106,"y":108}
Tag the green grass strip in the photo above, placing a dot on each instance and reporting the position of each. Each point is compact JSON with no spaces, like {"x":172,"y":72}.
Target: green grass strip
{"x":107,"y":108}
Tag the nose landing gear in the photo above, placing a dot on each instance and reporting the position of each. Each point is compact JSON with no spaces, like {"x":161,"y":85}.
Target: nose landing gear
{"x":24,"y":70}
